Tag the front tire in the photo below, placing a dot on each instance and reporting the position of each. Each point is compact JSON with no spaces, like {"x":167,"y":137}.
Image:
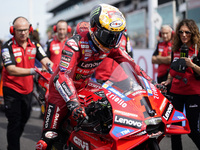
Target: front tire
{"x":153,"y":144}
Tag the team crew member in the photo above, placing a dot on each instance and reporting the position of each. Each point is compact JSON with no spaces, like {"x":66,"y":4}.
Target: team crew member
{"x":55,"y":45}
{"x":162,"y":54}
{"x":81,"y":55}
{"x":184,"y":75}
{"x":18,"y":56}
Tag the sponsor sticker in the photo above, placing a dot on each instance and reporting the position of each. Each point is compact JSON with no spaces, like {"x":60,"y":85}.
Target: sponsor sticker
{"x":33,"y":52}
{"x":149,"y":91}
{"x":56,"y":52}
{"x":66,"y":89}
{"x":68,"y":53}
{"x":65,"y":58}
{"x":16,"y":49}
{"x":64,"y":64}
{"x":81,"y":143}
{"x":61,"y":91}
{"x":84,"y":46}
{"x":168,"y":111}
{"x":18,"y":59}
{"x":119,"y":131}
{"x":48,"y":119}
{"x":178,"y":116}
{"x":115,"y":24}
{"x":116,"y":99}
{"x":51,"y":134}
{"x":5,"y":54}
{"x":113,"y":90}
{"x":122,"y":120}
{"x":89,"y":64}
{"x":125,"y":113}
{"x":71,"y":43}
{"x":55,"y":47}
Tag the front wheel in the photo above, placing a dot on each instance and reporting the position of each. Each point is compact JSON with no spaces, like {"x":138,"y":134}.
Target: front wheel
{"x":153,"y":144}
{"x":150,"y":144}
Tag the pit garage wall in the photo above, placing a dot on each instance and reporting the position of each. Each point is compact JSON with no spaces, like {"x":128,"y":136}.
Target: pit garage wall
{"x":142,"y":57}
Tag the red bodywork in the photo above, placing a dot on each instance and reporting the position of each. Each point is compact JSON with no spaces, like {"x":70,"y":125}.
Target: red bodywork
{"x":137,"y":116}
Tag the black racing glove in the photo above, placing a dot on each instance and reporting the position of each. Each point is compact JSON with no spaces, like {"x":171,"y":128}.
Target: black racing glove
{"x":77,"y":111}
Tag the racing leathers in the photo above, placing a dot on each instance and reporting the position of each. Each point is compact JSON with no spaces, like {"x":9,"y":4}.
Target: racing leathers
{"x":79,"y":59}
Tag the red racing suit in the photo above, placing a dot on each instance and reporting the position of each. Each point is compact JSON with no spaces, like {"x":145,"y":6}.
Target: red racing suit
{"x":163,"y":49}
{"x":53,"y":49}
{"x":80,"y":57}
{"x":188,"y":82}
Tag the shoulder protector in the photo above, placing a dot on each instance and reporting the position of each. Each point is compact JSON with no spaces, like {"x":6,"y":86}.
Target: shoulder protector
{"x":73,"y":42}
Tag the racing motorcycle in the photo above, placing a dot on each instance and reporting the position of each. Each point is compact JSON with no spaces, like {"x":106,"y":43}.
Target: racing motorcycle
{"x":127,"y":112}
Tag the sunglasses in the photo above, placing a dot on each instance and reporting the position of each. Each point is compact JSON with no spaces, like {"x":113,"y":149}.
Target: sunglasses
{"x":186,"y":32}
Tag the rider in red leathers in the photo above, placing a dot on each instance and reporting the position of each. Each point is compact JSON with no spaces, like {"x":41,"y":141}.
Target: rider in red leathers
{"x":81,"y":55}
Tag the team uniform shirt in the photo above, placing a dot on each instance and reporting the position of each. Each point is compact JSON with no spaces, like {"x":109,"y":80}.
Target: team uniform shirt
{"x":54,"y":50}
{"x":163,"y":49}
{"x":13,"y":54}
{"x":187,"y":82}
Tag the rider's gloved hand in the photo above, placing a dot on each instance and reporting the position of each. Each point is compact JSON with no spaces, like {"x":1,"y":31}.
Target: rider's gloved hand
{"x":79,"y":113}
{"x":76,"y":110}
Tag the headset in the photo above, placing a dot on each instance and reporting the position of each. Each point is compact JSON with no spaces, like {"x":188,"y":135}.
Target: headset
{"x":69,"y":29}
{"x":172,"y":31}
{"x":12,"y":32}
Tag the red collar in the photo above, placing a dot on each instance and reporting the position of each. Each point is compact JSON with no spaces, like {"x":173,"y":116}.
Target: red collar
{"x":29,"y":43}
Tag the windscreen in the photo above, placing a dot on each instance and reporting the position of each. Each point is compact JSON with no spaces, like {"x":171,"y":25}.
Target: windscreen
{"x":124,"y":79}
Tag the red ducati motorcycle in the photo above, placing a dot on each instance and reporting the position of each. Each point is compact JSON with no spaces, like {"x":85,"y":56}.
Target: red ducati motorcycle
{"x":127,"y":112}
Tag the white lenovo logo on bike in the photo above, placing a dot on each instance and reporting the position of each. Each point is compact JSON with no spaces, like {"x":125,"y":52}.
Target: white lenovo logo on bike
{"x":80,"y":143}
{"x":168,"y":112}
{"x":127,"y":121}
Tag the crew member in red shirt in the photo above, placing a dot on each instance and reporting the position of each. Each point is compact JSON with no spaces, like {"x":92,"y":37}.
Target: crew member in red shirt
{"x":184,"y":77}
{"x":18,"y":56}
{"x":162,"y":54}
{"x":55,"y":45}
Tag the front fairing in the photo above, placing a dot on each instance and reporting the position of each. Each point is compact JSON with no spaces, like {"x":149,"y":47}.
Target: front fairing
{"x":139,"y":108}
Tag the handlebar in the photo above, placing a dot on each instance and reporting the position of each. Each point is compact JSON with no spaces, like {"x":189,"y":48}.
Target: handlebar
{"x":84,"y":120}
